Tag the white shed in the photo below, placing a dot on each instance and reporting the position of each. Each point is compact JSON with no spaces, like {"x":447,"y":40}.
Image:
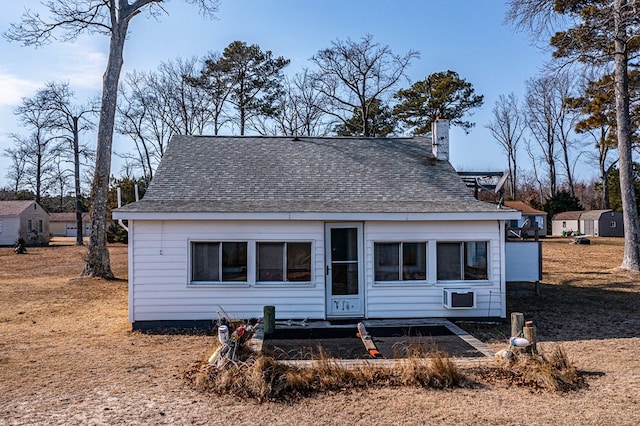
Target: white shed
{"x":320,"y":228}
{"x":565,"y":223}
{"x":23,"y":219}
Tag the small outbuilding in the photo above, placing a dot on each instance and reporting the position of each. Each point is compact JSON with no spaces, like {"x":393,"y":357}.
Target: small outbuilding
{"x":532,"y":220}
{"x":602,"y":223}
{"x":23,"y":219}
{"x":565,"y":223}
{"x":320,"y":228}
{"x":65,"y":225}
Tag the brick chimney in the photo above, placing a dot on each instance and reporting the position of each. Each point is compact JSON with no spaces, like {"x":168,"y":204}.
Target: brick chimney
{"x":440,"y":139}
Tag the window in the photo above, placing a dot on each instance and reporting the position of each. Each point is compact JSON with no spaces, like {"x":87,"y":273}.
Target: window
{"x":29,"y":225}
{"x":0,"y":226}
{"x":390,"y":256}
{"x":462,"y":260}
{"x":613,"y":224}
{"x":284,"y":262}
{"x":40,"y":228}
{"x":215,"y":262}
{"x":564,"y":224}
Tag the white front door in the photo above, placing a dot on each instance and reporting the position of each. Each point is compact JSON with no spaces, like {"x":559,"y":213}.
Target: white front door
{"x":344,"y":272}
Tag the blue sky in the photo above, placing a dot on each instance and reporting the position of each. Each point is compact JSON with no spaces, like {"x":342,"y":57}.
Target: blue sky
{"x":466,"y":36}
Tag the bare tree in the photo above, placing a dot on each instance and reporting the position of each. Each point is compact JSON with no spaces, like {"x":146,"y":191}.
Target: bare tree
{"x":156,"y":105}
{"x":16,"y":173}
{"x":507,"y":128}
{"x":217,"y":83}
{"x":299,"y":111}
{"x":69,"y":19}
{"x":541,"y":105}
{"x":536,"y":174}
{"x":353,"y":75}
{"x":40,"y":147}
{"x":551,"y":123}
{"x":69,"y":121}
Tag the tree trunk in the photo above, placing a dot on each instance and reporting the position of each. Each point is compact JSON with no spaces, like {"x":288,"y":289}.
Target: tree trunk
{"x":97,"y":261}
{"x":631,"y":259}
{"x":76,"y":178}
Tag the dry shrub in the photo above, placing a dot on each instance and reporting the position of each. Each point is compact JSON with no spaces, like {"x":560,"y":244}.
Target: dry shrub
{"x":434,"y":371}
{"x":540,"y":372}
{"x":262,"y":378}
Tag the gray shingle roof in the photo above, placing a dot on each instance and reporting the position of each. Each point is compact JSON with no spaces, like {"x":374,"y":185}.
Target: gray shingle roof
{"x":570,"y":215}
{"x":14,"y":208}
{"x":280,"y":174}
{"x":594,"y":214}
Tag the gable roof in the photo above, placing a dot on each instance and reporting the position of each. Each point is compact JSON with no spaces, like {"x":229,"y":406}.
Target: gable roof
{"x":571,"y":215}
{"x":594,"y":214}
{"x":14,"y":208}
{"x":67,"y":217}
{"x":524,"y":208}
{"x":307,"y":174}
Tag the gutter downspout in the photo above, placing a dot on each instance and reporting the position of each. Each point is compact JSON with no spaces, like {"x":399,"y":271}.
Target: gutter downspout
{"x":120,"y":222}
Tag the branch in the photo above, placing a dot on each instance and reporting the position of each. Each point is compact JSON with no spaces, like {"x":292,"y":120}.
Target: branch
{"x":68,"y":17}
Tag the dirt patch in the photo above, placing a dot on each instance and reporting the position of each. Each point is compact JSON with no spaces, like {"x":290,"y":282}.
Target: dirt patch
{"x":67,"y":355}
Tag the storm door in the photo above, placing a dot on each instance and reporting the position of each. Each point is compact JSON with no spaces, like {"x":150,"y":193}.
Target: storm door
{"x":343,"y":270}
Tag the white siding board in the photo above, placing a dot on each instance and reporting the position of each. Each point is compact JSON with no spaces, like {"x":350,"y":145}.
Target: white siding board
{"x":10,"y":230}
{"x":160,"y":279}
{"x":409,"y":301}
{"x":159,"y":271}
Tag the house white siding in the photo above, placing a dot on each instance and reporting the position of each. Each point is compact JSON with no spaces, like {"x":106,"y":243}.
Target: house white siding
{"x":10,"y":230}
{"x":566,"y":225}
{"x":415,"y":300}
{"x":160,"y":287}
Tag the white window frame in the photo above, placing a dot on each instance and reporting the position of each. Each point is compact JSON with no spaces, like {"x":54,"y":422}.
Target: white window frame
{"x":462,"y":244}
{"x":220,"y":282}
{"x":284,"y":281}
{"x":401,"y":279}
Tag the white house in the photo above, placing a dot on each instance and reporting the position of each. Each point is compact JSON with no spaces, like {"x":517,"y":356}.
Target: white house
{"x":532,"y":220}
{"x":320,"y":228}
{"x":23,"y":219}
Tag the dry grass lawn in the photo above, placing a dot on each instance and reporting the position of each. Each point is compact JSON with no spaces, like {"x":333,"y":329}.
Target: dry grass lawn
{"x":67,"y":355}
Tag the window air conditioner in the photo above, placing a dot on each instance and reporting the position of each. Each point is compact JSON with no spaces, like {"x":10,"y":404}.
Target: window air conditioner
{"x":455,"y":298}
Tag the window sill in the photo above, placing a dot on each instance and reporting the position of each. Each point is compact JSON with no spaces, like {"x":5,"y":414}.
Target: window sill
{"x":219,"y":284}
{"x":284,"y":284}
{"x":402,"y":284}
{"x":465,"y":282}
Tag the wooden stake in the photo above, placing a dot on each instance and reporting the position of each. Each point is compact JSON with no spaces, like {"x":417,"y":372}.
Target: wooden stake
{"x":517,"y":323}
{"x":530,"y":334}
{"x":269,"y":319}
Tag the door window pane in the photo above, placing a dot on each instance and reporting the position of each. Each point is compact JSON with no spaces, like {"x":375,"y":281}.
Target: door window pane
{"x":298,"y":261}
{"x":270,"y":261}
{"x":387,"y":261}
{"x":344,"y":279}
{"x":448,"y":261}
{"x":414,"y":261}
{"x":344,"y":244}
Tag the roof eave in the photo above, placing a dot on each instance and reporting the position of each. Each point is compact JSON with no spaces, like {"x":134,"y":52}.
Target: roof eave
{"x":333,"y":216}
